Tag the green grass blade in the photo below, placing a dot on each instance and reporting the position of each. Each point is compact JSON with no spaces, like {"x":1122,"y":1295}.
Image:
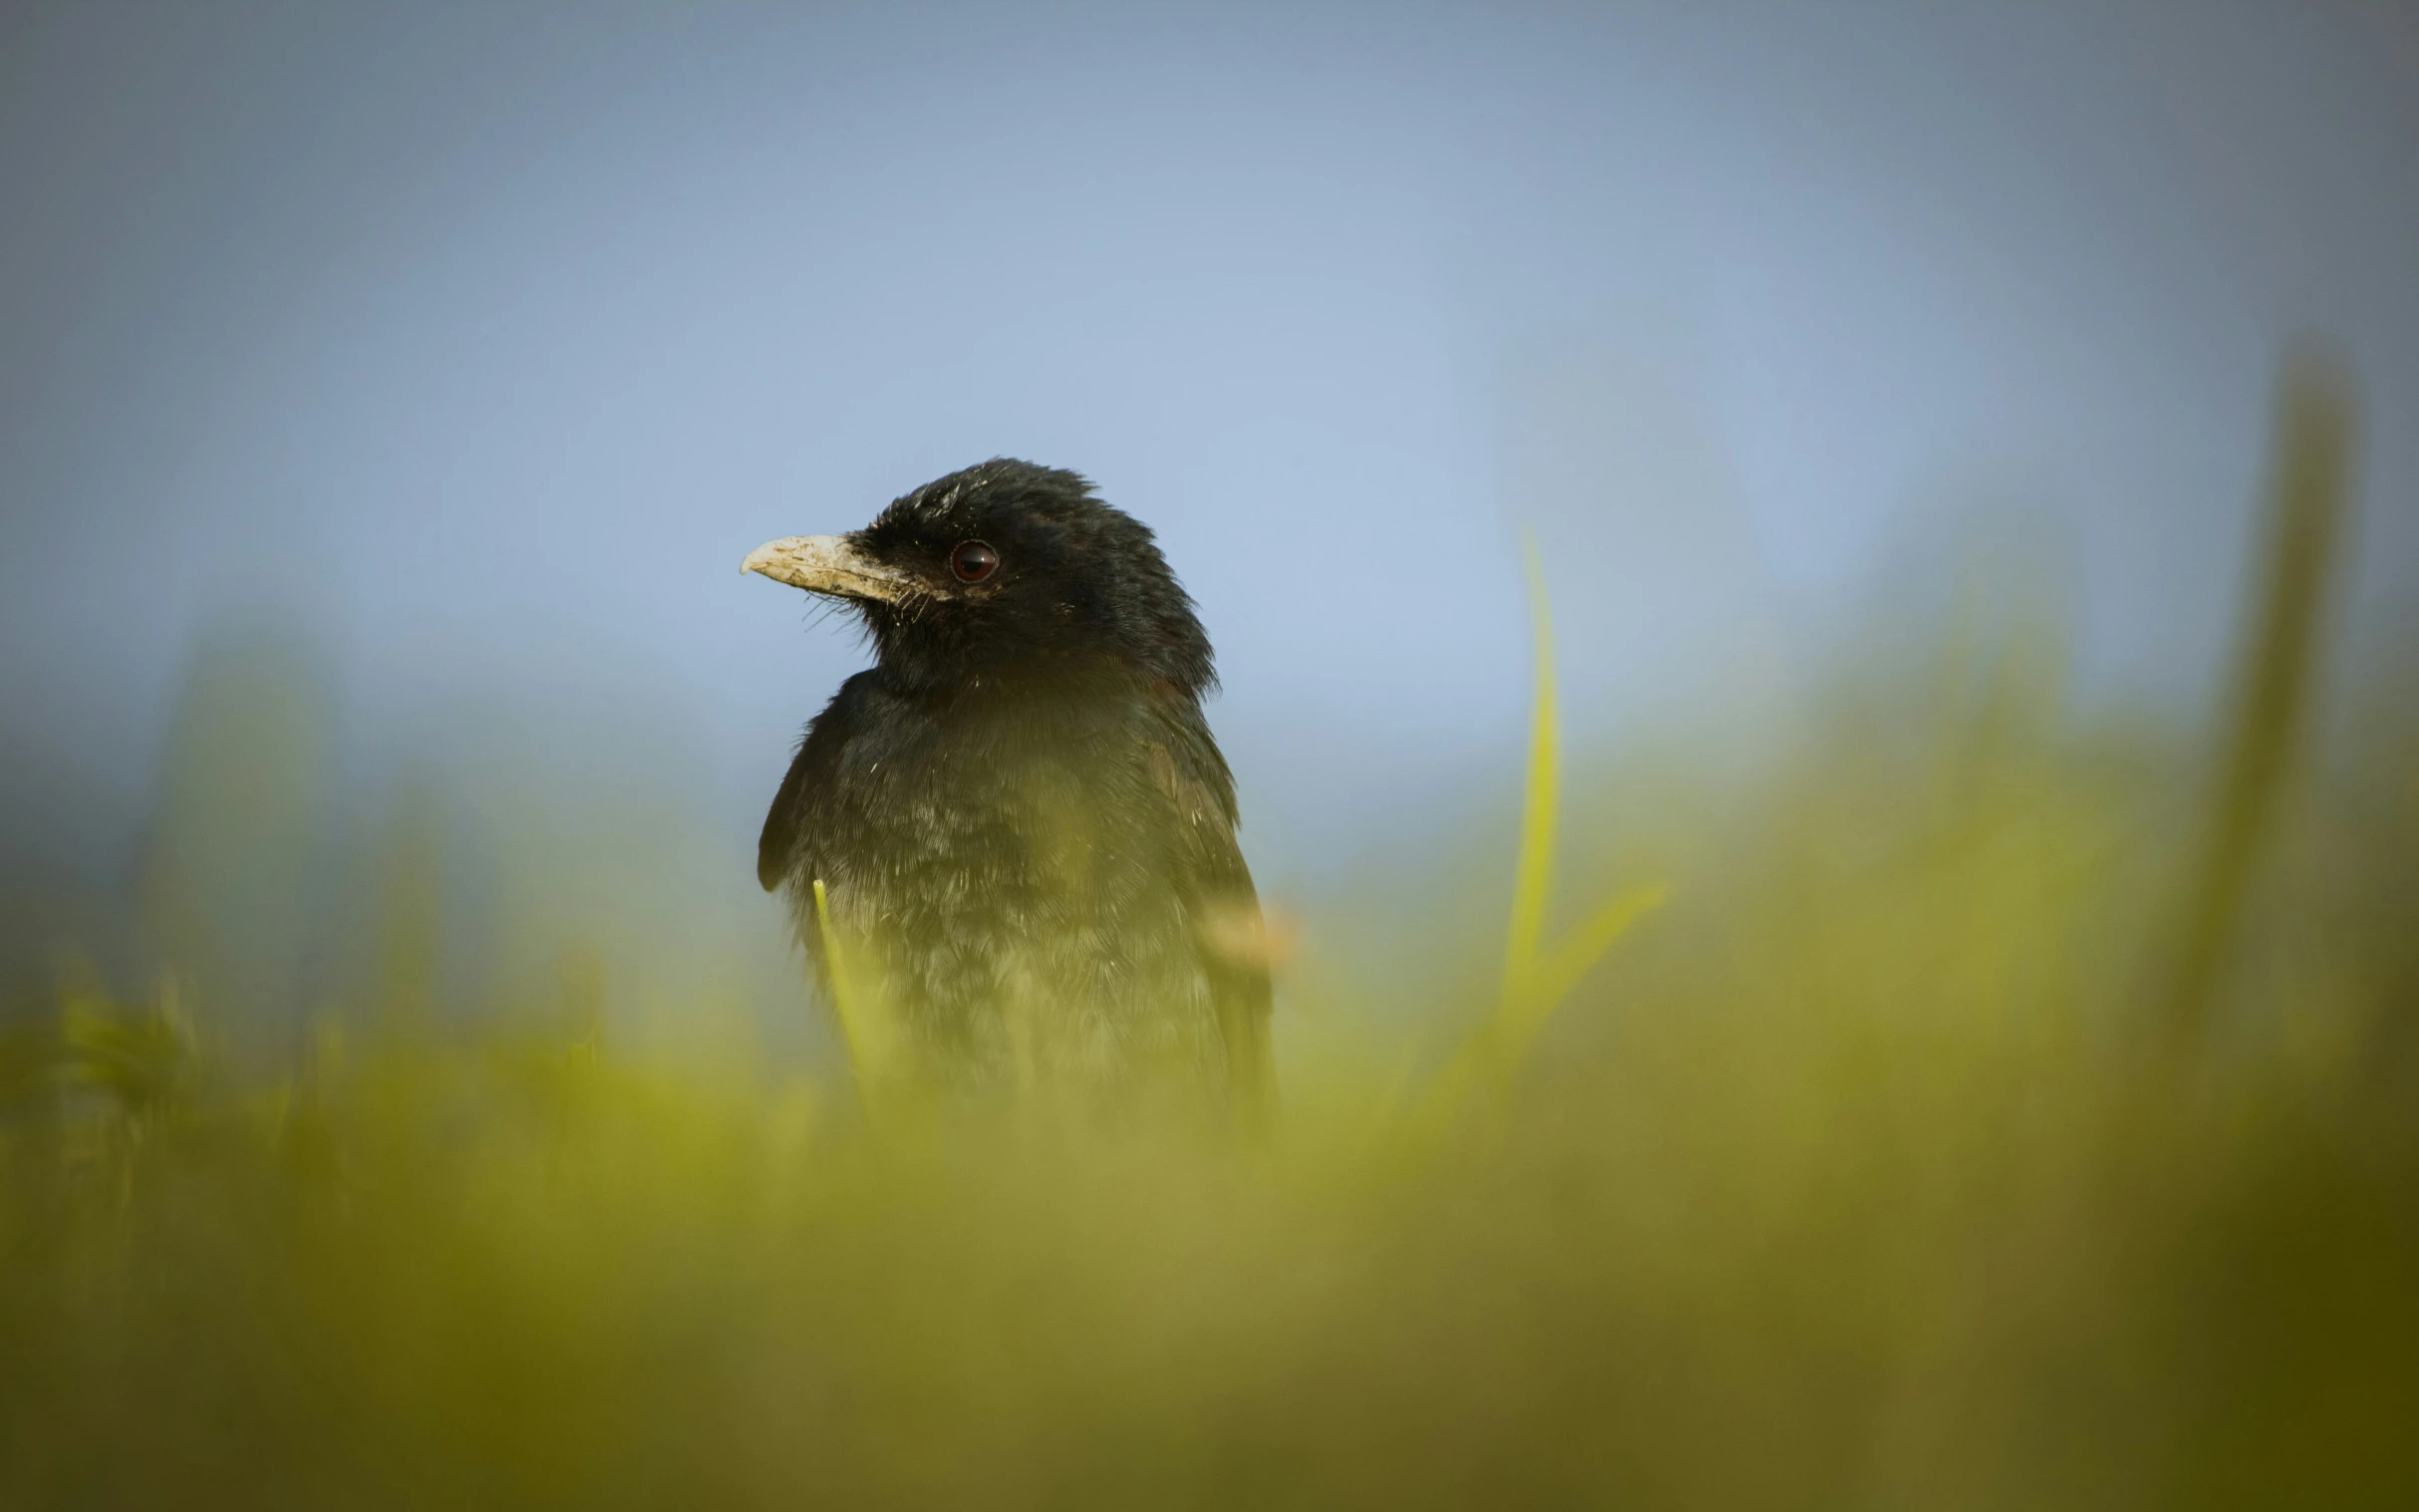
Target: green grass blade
{"x":1535,"y":870}
{"x":1570,"y":960}
{"x":860,"y":1025}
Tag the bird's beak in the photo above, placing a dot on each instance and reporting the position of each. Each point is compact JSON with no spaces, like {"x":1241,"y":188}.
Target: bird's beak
{"x":830,"y":564}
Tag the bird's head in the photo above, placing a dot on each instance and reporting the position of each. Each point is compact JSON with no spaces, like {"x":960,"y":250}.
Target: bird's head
{"x":1006,"y":573}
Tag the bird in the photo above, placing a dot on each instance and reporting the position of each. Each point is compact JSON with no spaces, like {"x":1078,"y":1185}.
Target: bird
{"x":1017,"y":825}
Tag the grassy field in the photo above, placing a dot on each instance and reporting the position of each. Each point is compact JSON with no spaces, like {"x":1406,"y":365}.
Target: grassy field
{"x":1974,"y":1107}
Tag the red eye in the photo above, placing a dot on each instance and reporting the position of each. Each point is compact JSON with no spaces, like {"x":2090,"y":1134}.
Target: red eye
{"x":973,"y":561}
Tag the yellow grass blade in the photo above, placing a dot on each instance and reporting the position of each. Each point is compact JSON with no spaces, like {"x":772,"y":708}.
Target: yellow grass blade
{"x":857,"y":1018}
{"x":1536,"y":865}
{"x":1535,"y":979}
{"x":1569,"y":961}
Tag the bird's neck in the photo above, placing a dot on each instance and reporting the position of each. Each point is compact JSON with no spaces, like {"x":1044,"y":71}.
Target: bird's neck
{"x":1059,"y":678}
{"x":1066,"y":694}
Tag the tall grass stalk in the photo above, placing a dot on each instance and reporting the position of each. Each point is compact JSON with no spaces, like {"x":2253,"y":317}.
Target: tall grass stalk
{"x":1537,"y":978}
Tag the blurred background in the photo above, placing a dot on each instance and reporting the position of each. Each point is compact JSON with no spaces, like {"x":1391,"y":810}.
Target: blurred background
{"x":407,"y":1097}
{"x":449,"y":356}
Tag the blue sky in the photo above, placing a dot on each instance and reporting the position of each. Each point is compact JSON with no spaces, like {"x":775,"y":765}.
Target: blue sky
{"x":480,"y":343}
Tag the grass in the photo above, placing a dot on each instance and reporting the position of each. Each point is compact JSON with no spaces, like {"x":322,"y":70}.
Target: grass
{"x":1927,"y":1146}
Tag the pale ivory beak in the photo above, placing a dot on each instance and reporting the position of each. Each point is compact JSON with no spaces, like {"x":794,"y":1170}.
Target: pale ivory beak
{"x":830,"y":564}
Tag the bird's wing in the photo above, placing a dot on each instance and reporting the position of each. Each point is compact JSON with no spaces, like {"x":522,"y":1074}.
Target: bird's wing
{"x":785,"y":851}
{"x":1230,"y":940}
{"x":776,"y":848}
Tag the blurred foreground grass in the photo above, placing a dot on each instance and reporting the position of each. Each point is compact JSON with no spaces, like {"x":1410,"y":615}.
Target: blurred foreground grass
{"x":1947,"y":1140}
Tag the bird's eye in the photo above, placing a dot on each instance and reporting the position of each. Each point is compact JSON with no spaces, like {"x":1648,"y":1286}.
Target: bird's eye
{"x":973,"y":561}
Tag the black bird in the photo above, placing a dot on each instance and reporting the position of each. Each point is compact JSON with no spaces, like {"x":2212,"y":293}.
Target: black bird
{"x":1023,"y":830}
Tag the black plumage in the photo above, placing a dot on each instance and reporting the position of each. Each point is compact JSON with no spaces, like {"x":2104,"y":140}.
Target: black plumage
{"x":1024,"y":829}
